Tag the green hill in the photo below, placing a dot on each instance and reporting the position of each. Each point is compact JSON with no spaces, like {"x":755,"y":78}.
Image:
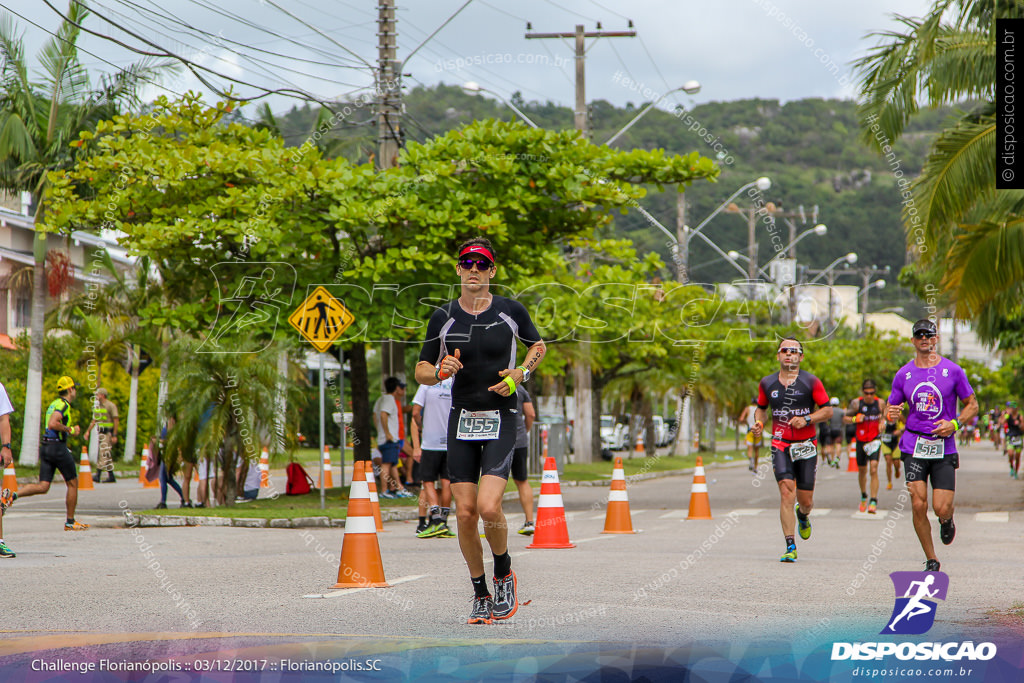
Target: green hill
{"x":809,"y":148}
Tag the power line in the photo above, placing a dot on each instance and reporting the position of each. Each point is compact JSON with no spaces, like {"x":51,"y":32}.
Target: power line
{"x":438,"y":29}
{"x":255,"y":61}
{"x":609,"y":9}
{"x":78,"y":48}
{"x":321,"y":33}
{"x":246,"y":22}
{"x":189,"y":64}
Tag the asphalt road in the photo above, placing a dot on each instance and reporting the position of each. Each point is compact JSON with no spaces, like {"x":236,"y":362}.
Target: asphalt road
{"x":674,"y":582}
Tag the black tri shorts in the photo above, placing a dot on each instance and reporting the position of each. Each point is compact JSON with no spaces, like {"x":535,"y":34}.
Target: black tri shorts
{"x":468,"y":460}
{"x":519,"y":464}
{"x":55,"y":456}
{"x":863,"y":456}
{"x":941,"y":471}
{"x":433,"y":465}
{"x":802,"y":471}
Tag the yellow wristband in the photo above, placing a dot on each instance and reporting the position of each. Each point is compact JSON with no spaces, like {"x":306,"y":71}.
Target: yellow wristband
{"x":511,"y":385}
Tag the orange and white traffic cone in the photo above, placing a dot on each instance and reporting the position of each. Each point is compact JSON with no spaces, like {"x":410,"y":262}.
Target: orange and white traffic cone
{"x":143,"y":471}
{"x":852,"y":467}
{"x":552,"y":531}
{"x":10,"y":479}
{"x":361,"y":565}
{"x":328,"y":477}
{"x":264,"y":469}
{"x":639,"y":443}
{"x":617,"y":519}
{"x":85,"y":472}
{"x":700,"y":504}
{"x":371,"y":483}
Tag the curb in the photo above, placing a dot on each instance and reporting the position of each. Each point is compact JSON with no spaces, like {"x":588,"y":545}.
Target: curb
{"x":400,"y":515}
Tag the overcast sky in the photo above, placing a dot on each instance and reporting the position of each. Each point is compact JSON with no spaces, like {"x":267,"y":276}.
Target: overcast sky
{"x":780,"y":49}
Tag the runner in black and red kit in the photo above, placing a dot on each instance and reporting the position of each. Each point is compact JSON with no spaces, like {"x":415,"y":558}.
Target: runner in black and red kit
{"x":798,"y":400}
{"x":474,"y":338}
{"x":865,"y":411}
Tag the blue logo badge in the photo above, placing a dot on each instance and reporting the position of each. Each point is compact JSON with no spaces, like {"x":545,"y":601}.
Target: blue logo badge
{"x":916,"y":593}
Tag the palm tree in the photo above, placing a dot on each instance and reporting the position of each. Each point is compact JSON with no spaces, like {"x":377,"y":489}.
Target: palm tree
{"x":39,"y":121}
{"x":225,"y":405}
{"x":968,"y":236}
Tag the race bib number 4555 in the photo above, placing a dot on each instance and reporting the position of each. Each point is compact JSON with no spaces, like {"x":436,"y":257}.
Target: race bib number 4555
{"x":478,"y":425}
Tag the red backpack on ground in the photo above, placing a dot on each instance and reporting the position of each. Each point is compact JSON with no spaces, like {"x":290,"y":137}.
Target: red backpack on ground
{"x":299,"y":481}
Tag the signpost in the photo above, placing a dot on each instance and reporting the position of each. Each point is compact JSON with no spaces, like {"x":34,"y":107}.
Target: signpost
{"x":320,"y":320}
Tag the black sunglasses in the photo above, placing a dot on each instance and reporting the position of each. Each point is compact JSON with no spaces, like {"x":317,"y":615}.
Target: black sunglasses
{"x":922,"y":334}
{"x":481,"y":264}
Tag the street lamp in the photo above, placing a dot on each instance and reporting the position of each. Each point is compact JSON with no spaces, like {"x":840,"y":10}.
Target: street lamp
{"x":763,"y":184}
{"x":820,"y":230}
{"x":690,"y":88}
{"x":880,"y":284}
{"x":473,"y":88}
{"x":830,"y":272}
{"x":733,"y":254}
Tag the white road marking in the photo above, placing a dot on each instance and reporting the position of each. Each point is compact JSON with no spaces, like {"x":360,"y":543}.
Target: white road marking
{"x":881,"y":514}
{"x":353,"y":591}
{"x":747,"y":512}
{"x":992,"y":517}
{"x":674,"y":514}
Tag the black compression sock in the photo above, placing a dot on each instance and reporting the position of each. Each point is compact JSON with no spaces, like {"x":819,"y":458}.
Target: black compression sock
{"x":790,"y":540}
{"x":423,"y":520}
{"x":502,"y":565}
{"x":800,"y":514}
{"x":480,"y":586}
{"x":444,"y":514}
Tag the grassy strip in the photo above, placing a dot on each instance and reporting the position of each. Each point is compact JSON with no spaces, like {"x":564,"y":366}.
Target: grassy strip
{"x":306,"y":505}
{"x":603,"y":470}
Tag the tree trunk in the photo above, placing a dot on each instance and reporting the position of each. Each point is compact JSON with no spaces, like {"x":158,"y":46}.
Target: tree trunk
{"x":713,"y":426}
{"x":131,"y":433}
{"x":360,"y":402}
{"x":650,"y":442}
{"x":34,"y":382}
{"x":583,"y":433}
{"x":597,"y":392}
{"x":280,"y":408}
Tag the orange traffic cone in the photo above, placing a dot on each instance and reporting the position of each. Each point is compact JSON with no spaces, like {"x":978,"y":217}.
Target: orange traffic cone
{"x":852,"y":467}
{"x":146,"y":483}
{"x":617,"y":521}
{"x":10,"y":479}
{"x":361,"y":565}
{"x":85,"y":472}
{"x":552,"y":531}
{"x":700,"y":504}
{"x":264,"y":469}
{"x":328,"y":477}
{"x":371,"y":483}
{"x":639,"y":443}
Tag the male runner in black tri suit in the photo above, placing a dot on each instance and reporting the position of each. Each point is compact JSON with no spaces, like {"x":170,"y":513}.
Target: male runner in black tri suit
{"x":793,"y":394}
{"x":474,"y":339}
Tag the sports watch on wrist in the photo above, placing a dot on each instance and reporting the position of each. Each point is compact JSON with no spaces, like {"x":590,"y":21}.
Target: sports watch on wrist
{"x":526,"y":373}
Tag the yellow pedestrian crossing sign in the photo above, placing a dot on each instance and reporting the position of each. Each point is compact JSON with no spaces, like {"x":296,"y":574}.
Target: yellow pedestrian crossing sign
{"x":321,"y":319}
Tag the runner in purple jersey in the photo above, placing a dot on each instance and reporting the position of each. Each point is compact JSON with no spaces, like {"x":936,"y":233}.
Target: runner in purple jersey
{"x":931,"y":385}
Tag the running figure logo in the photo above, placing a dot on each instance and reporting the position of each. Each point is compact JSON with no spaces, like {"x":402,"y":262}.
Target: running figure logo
{"x":916,"y":593}
{"x":259,"y":291}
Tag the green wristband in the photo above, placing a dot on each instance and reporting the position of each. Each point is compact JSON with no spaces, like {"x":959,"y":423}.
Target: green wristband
{"x":956,"y":425}
{"x":511,"y":385}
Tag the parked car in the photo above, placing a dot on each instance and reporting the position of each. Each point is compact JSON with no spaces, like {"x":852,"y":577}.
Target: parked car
{"x":613,"y":434}
{"x":660,"y":431}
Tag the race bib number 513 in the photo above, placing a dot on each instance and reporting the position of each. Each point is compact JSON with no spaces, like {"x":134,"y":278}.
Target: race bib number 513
{"x":929,"y":449}
{"x":479,"y":425}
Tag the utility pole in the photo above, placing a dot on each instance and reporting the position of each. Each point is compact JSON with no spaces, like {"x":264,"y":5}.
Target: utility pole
{"x":389,"y":111}
{"x":682,"y":254}
{"x":586,"y":417}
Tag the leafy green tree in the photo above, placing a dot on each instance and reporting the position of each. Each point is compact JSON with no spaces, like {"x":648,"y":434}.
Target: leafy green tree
{"x":39,"y":121}
{"x":225,"y":406}
{"x":204,"y":192}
